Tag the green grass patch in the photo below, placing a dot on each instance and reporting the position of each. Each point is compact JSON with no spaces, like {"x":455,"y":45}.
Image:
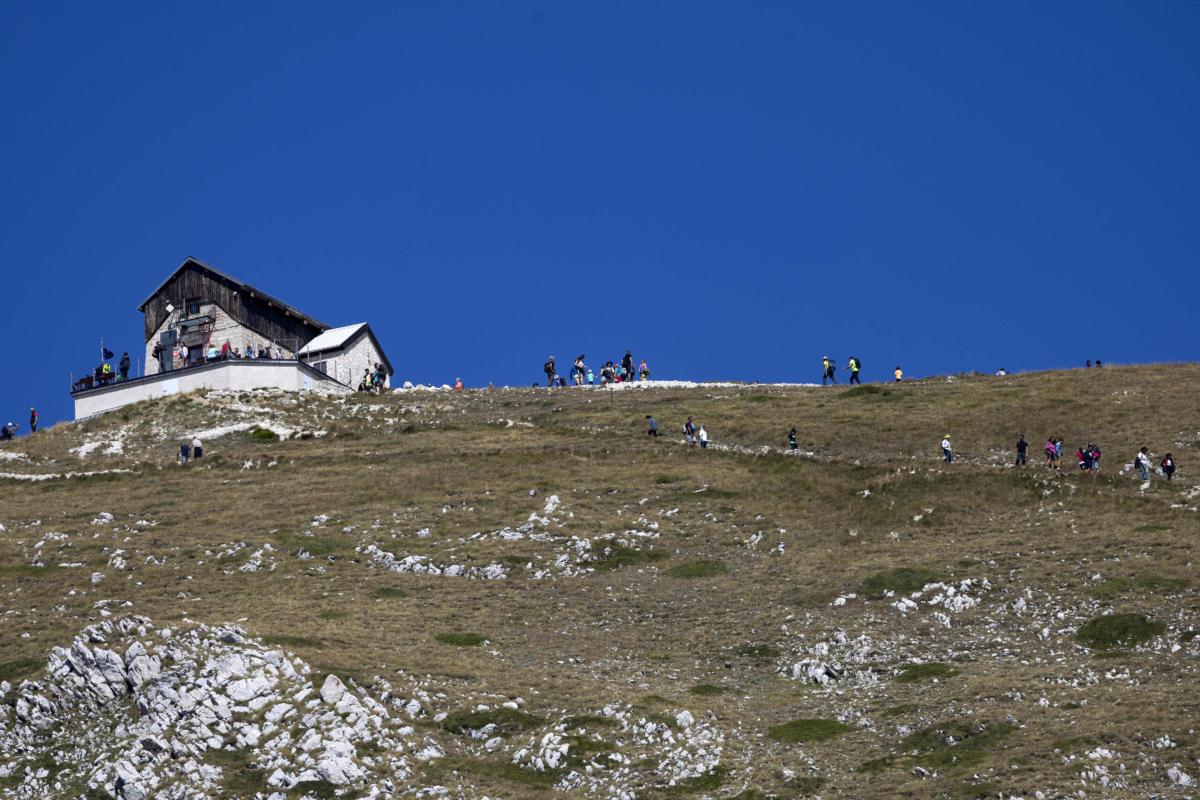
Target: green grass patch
{"x":581,"y":721}
{"x":870,"y":390}
{"x":242,"y":778}
{"x":1114,"y":631}
{"x":507,"y":721}
{"x":18,"y":668}
{"x":620,"y":556}
{"x":697,"y":569}
{"x":916,"y":673}
{"x":954,"y":744}
{"x":1115,"y":587}
{"x":901,"y":580}
{"x":263,"y":435}
{"x":461,"y":639}
{"x":758,"y":650}
{"x":294,"y":642}
{"x":807,"y":730}
{"x":389,"y":593}
{"x":707,"y":690}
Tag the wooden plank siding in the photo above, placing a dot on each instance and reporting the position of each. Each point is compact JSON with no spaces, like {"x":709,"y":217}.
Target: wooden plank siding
{"x":268,"y":317}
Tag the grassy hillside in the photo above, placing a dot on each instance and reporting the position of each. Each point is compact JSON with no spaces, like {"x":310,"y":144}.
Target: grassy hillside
{"x":854,"y":619}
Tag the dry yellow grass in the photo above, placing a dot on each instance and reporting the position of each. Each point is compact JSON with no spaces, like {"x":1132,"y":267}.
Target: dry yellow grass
{"x":872,"y":496}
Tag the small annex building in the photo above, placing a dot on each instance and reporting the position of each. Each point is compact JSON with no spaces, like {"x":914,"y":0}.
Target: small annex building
{"x":205,"y":328}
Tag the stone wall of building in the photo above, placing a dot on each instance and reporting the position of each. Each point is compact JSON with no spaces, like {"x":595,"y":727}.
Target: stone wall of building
{"x":348,"y":365}
{"x":224,"y":328}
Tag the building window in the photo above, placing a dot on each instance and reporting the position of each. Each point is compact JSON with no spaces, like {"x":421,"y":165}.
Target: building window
{"x":191,"y":308}
{"x":320,"y":367}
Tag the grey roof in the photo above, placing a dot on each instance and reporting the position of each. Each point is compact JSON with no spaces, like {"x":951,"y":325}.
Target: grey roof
{"x":258,"y":293}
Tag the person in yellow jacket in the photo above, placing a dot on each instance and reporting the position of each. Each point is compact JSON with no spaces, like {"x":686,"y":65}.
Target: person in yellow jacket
{"x":829,"y":368}
{"x":899,"y":375}
{"x":855,"y":365}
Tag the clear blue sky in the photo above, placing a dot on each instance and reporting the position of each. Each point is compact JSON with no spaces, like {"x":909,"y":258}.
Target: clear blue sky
{"x":730,"y":189}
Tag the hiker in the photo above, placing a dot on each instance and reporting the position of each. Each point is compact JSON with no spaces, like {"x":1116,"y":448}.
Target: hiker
{"x":1084,"y":459}
{"x":703,"y":437}
{"x":899,"y":373}
{"x":185,"y":451}
{"x":643,"y":371}
{"x":1050,"y":450}
{"x":689,"y":431}
{"x":1089,"y":363}
{"x":7,"y":431}
{"x":550,"y":370}
{"x":591,"y":377}
{"x":1094,"y":453}
{"x":627,"y":365}
{"x":578,"y":370}
{"x":1022,"y":446}
{"x":1099,"y":363}
{"x":184,"y":352}
{"x":651,"y":426}
{"x":123,"y":366}
{"x":1058,"y":445}
{"x":855,"y":366}
{"x":32,"y":419}
{"x":829,"y":369}
{"x":1000,"y":373}
{"x":1168,"y":466}
{"x":197,"y":450}
{"x":1142,"y":462}
{"x":458,"y":384}
{"x":946,"y":451}
{"x":792,"y":443}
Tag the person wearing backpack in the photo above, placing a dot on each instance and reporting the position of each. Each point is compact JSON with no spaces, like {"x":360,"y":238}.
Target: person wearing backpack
{"x":550,"y":370}
{"x":947,"y":453}
{"x":1168,"y":465}
{"x":829,"y":369}
{"x":1050,"y":453}
{"x":1022,"y":446}
{"x":792,"y":443}
{"x":1142,"y":460}
{"x":855,"y":366}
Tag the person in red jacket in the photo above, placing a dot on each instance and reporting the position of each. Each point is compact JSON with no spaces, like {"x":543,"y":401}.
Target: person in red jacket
{"x":33,"y":419}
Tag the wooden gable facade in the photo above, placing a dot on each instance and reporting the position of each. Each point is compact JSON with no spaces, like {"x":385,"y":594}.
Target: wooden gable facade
{"x":255,"y":310}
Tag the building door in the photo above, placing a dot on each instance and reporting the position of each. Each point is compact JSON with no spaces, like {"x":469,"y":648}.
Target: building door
{"x":166,"y":341}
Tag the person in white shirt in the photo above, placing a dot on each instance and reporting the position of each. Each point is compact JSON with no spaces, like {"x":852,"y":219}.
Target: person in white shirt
{"x":946,"y":451}
{"x":703,"y":437}
{"x":197,"y":449}
{"x":1143,"y":463}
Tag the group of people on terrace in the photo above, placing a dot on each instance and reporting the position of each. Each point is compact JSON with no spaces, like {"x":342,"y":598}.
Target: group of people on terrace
{"x":620,"y":371}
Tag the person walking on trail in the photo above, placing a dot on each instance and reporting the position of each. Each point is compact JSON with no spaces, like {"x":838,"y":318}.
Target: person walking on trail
{"x":651,"y":426}
{"x":643,"y":371}
{"x":458,"y":384}
{"x":579,"y":369}
{"x":33,"y":419}
{"x":792,"y":443}
{"x":123,"y":366}
{"x":627,"y":365}
{"x":855,"y":366}
{"x":1058,"y":446}
{"x":703,"y":437}
{"x":185,"y":451}
{"x":1168,"y":465}
{"x":689,"y":431}
{"x":1050,"y":451}
{"x":899,"y":373}
{"x":197,"y":449}
{"x":1143,"y":463}
{"x":830,"y":369}
{"x":550,"y":370}
{"x":947,"y":453}
{"x":1022,"y":446}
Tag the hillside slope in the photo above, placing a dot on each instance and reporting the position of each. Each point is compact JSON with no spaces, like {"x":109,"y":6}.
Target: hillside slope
{"x":518,"y":594}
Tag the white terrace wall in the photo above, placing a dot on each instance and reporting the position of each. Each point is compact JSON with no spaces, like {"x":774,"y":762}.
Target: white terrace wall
{"x":348,"y":365}
{"x":233,"y":375}
{"x":225,"y":328}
